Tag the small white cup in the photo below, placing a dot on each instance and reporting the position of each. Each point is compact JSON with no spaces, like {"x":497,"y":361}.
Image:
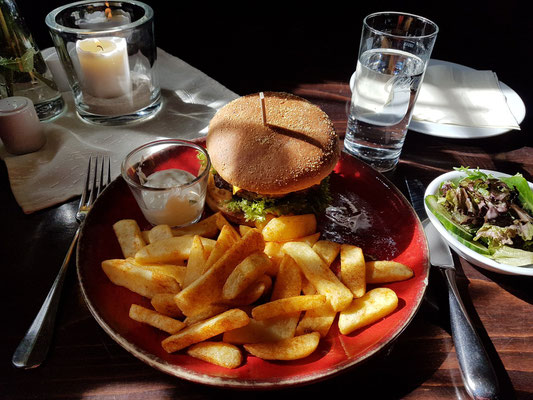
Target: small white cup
{"x":20,"y":128}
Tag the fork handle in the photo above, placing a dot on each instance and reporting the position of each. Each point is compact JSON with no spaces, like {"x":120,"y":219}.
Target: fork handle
{"x":477,"y":371}
{"x":33,"y":348}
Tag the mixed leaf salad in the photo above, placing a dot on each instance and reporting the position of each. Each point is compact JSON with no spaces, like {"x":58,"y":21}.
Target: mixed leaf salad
{"x":493,"y":216}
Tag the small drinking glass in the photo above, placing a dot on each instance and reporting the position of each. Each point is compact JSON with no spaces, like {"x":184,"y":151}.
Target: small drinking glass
{"x":108,"y":52}
{"x":393,"y":54}
{"x":168,"y":178}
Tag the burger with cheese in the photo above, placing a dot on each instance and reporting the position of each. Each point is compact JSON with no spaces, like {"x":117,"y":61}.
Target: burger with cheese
{"x":272,"y":153}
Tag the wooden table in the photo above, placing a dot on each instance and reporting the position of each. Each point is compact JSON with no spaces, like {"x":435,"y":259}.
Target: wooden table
{"x":86,"y":363}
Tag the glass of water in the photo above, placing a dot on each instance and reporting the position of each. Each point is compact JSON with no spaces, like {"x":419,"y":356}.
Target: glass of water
{"x":394,"y":50}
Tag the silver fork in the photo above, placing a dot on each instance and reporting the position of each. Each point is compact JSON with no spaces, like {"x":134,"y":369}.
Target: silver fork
{"x":33,"y":348}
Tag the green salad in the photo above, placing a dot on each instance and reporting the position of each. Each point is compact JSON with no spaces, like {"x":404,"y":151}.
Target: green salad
{"x":493,"y":216}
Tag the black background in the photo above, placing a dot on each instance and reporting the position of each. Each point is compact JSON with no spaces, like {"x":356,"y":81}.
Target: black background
{"x":263,"y":45}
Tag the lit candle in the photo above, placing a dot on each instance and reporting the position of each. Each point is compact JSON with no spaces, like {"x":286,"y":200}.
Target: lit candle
{"x":104,"y":66}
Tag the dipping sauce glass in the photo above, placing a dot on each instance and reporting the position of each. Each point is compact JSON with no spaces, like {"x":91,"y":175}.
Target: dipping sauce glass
{"x":168,"y":178}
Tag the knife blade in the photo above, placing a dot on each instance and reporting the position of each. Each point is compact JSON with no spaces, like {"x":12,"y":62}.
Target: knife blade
{"x":476,"y":368}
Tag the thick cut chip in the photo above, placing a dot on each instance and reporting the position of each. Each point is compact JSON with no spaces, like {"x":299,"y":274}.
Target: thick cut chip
{"x":353,"y":269}
{"x":319,"y":274}
{"x":317,"y":320}
{"x":374,"y":305}
{"x":387,"y":271}
{"x":207,"y":289}
{"x":288,"y":281}
{"x":164,"y":304}
{"x":243,"y":229}
{"x":287,"y":349}
{"x":231,"y":319}
{"x":252,"y":293}
{"x":219,"y":353}
{"x":289,"y":227}
{"x":175,"y":271}
{"x":244,"y":274}
{"x":171,"y":250}
{"x":261,"y":224}
{"x":225,"y":240}
{"x":274,"y":251}
{"x":207,"y":227}
{"x":327,"y":250}
{"x":129,"y":236}
{"x":159,"y":232}
{"x":270,"y":330}
{"x":153,"y":318}
{"x":287,"y":306}
{"x":142,"y":281}
{"x":196,"y":262}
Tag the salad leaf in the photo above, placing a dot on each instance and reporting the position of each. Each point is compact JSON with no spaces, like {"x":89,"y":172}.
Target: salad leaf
{"x":525,"y":195}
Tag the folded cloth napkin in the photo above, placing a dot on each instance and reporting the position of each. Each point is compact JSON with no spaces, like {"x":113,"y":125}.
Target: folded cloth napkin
{"x":463,"y":96}
{"x":56,"y":172}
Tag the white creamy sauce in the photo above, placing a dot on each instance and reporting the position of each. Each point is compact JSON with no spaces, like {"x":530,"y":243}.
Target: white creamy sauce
{"x":176,"y":206}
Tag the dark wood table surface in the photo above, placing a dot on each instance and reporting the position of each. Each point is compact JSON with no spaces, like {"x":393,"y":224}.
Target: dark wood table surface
{"x":84,"y":362}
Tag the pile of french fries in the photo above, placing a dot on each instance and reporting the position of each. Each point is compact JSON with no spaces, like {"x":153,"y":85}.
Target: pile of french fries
{"x":221,"y":291}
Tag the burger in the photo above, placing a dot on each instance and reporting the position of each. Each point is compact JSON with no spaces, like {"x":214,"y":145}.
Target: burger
{"x":271,"y":153}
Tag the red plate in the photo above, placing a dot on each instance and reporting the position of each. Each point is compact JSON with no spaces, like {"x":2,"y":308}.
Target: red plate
{"x":367,"y":211}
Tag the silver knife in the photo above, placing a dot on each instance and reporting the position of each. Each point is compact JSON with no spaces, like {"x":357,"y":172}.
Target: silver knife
{"x":476,"y":368}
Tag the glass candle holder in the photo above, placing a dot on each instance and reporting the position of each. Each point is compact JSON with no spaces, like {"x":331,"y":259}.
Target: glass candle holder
{"x":109,"y":55}
{"x":168,"y":178}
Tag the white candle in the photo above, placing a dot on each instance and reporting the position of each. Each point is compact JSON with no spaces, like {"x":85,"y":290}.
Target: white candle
{"x":104,"y":66}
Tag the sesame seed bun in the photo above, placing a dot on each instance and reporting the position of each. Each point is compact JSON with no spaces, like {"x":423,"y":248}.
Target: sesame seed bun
{"x":296,"y":149}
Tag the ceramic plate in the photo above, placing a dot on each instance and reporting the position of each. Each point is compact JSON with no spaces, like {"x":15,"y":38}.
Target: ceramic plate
{"x":367,"y":211}
{"x":469,"y":254}
{"x":465,"y":132}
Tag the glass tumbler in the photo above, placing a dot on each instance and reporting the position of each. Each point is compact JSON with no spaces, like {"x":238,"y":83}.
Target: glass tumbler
{"x":168,"y":178}
{"x":393,"y":54}
{"x":108,"y":52}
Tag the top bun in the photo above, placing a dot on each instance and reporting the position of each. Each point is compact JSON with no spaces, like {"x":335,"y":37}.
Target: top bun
{"x":296,"y":149}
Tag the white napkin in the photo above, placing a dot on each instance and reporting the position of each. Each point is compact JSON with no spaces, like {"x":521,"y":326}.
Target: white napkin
{"x":56,"y":172}
{"x":463,"y":96}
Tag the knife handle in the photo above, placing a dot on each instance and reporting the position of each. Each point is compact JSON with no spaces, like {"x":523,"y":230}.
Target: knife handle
{"x":476,"y":368}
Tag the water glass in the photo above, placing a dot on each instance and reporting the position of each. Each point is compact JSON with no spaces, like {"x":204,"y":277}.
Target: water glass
{"x":168,"y":178}
{"x":393,"y":54}
{"x":108,"y":52}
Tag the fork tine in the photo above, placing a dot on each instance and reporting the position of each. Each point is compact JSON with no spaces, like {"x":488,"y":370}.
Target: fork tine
{"x":92,"y":194}
{"x":86,"y":188}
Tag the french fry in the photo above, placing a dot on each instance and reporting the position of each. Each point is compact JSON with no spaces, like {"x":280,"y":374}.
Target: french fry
{"x":155,"y":319}
{"x":318,"y":320}
{"x":208,"y":288}
{"x":309,"y":239}
{"x":228,"y":320}
{"x":374,"y":305}
{"x":129,"y":236}
{"x":353,"y":269}
{"x":327,"y":250}
{"x":225,"y":240}
{"x":387,"y":271}
{"x":285,"y":228}
{"x":288,"y":281}
{"x":243,"y":229}
{"x":171,"y":250}
{"x":164,"y":304}
{"x":252,"y":293}
{"x":287,"y":349}
{"x":245,"y":273}
{"x":319,"y":274}
{"x":219,"y":353}
{"x":196,"y":262}
{"x":261,"y":224}
{"x":287,"y":305}
{"x":270,"y":330}
{"x":159,"y":232}
{"x":207,"y":228}
{"x":175,"y":271}
{"x":273,"y":250}
{"x":208,"y":312}
{"x":139,"y":280}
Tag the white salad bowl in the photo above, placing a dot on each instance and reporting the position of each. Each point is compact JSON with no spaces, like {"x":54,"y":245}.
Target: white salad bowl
{"x":465,"y":252}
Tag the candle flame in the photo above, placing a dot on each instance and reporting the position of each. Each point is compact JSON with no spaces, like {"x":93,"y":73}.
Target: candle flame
{"x":107,"y":11}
